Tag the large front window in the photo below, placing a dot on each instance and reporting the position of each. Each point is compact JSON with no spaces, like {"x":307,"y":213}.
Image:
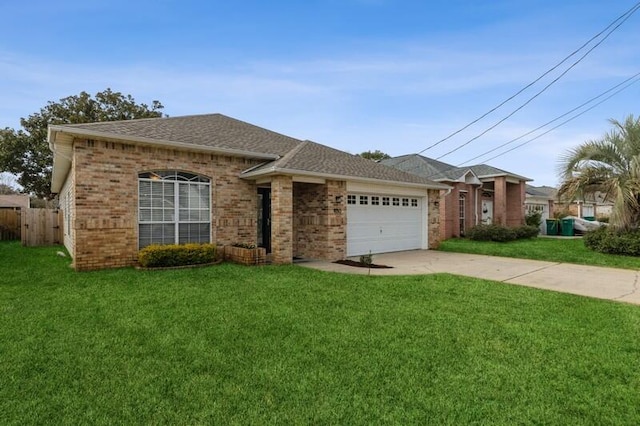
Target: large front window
{"x":173,"y":208}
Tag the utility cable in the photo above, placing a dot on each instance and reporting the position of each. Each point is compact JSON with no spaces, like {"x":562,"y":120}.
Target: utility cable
{"x":628,"y":12}
{"x":540,"y":91}
{"x":552,"y":121}
{"x":564,"y":122}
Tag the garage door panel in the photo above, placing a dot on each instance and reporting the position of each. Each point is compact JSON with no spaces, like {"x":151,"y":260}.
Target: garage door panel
{"x":379,"y":228}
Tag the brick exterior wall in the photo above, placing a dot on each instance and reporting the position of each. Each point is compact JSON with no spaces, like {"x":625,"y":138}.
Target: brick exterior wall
{"x":319,"y":212}
{"x":433,"y":218}
{"x":515,"y":204}
{"x":500,"y":201}
{"x":106,"y":198}
{"x":508,"y":205}
{"x":282,"y":219}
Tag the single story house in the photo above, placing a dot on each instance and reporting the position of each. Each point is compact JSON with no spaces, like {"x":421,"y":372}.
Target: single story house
{"x":478,"y":194}
{"x":211,"y":178}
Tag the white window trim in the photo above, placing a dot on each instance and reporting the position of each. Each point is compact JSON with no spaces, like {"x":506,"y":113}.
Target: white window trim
{"x":176,"y":205}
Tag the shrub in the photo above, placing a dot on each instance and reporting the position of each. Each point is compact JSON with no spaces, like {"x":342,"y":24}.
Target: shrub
{"x":606,"y":240}
{"x":155,"y":255}
{"x":533,"y":219}
{"x":527,"y":231}
{"x":366,"y":259}
{"x":500,"y":233}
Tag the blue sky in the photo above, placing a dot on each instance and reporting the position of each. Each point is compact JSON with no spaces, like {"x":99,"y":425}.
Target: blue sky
{"x":353,"y":74}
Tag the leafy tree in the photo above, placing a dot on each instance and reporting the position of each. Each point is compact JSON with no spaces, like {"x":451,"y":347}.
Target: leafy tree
{"x":7,"y":184}
{"x":376,"y":155}
{"x":25,"y":152}
{"x":610,"y":165}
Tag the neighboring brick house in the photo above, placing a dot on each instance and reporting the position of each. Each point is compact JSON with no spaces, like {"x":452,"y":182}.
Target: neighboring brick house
{"x":590,"y":206}
{"x":211,"y":178}
{"x":479,"y":194}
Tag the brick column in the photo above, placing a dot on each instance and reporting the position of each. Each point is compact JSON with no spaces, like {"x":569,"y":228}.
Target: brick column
{"x":500,"y":201}
{"x":434,"y":207}
{"x":282,"y":219}
{"x":515,"y":203}
{"x":336,"y":208}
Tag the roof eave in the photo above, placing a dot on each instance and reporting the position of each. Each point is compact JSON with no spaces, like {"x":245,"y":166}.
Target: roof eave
{"x":510,"y":175}
{"x":279,"y":171}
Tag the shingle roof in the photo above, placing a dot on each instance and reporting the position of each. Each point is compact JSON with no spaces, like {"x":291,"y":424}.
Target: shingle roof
{"x":542,"y":191}
{"x":220,"y":132}
{"x":483,"y":170}
{"x":323,"y":160}
{"x":209,"y":130}
{"x":426,"y":167}
{"x":438,"y":170}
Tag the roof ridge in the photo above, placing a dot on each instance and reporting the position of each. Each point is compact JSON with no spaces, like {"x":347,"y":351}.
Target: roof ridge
{"x":289,"y":155}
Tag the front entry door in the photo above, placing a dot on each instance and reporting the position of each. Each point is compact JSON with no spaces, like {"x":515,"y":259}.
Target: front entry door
{"x":487,"y":212}
{"x":264,"y":218}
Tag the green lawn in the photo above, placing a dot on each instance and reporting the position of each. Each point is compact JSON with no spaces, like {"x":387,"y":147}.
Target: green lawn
{"x":287,"y":345}
{"x":551,"y":249}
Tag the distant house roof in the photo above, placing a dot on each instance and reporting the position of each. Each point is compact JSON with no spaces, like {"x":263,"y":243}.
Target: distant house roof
{"x":439,"y":171}
{"x":224,"y":135}
{"x":542,"y":191}
{"x":15,"y":201}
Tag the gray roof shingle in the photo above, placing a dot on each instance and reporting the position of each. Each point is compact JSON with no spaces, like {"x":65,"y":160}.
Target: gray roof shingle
{"x":437,"y":170}
{"x":217,"y":131}
{"x":209,"y":130}
{"x":323,"y":160}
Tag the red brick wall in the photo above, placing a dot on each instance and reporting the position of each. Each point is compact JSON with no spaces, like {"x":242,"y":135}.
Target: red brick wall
{"x":500,"y":201}
{"x":515,"y":204}
{"x":106,"y":196}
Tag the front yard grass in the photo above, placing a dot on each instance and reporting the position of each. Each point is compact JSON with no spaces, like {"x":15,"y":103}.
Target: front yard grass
{"x":251,"y":345}
{"x":550,"y":249}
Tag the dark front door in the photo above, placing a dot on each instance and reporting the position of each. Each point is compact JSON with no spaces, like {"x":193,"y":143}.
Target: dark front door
{"x":264,"y":218}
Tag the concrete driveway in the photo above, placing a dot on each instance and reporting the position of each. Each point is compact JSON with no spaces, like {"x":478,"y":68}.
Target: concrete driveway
{"x":602,"y":283}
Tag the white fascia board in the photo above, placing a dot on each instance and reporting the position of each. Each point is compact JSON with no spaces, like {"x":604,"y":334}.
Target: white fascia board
{"x":159,"y":142}
{"x":62,"y":148}
{"x":507,"y":175}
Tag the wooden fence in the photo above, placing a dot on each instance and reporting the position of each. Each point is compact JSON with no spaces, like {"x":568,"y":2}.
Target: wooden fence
{"x":10,"y":224}
{"x":41,"y":227}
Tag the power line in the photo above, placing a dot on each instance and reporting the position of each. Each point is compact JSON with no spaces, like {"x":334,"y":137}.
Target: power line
{"x":566,"y":121}
{"x":628,"y":12}
{"x":542,"y":90}
{"x":552,"y":121}
{"x":629,"y":82}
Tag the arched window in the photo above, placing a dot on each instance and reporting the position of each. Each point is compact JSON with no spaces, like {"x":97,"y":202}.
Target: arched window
{"x":173,"y":208}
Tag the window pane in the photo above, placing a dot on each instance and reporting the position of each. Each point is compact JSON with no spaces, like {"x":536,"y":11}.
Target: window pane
{"x":193,"y":233}
{"x":145,"y":215}
{"x":156,"y":215}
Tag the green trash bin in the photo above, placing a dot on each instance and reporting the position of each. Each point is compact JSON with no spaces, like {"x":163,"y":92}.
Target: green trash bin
{"x":567,"y":227}
{"x":553,"y":227}
{"x":590,"y":218}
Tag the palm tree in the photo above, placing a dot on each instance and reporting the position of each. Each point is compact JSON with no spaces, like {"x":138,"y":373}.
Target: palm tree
{"x":610,"y":165}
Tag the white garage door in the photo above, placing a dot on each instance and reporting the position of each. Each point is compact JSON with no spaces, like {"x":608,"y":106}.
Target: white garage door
{"x":384,"y":223}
